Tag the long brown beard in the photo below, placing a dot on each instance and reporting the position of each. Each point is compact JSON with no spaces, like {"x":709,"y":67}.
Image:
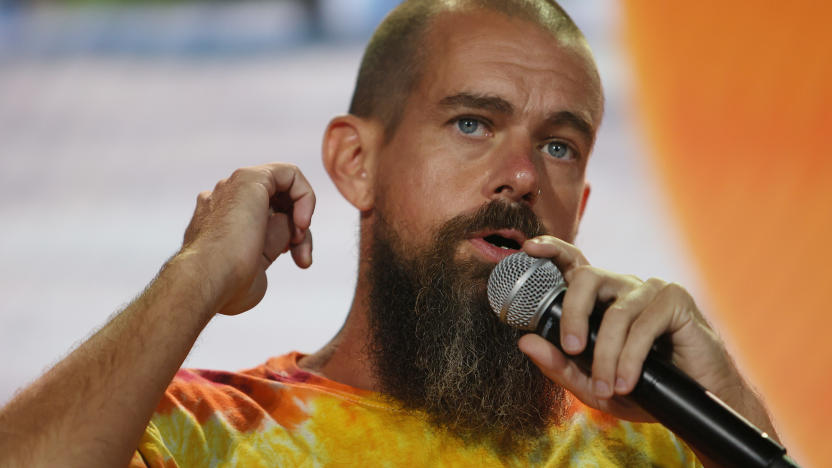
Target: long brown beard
{"x":435,"y":344}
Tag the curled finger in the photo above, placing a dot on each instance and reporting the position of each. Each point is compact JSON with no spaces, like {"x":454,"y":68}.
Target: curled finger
{"x":578,"y":304}
{"x":654,"y":321}
{"x":566,"y":256}
{"x":302,"y":252}
{"x":612,"y":335}
{"x":278,"y":235}
{"x":289,"y":179}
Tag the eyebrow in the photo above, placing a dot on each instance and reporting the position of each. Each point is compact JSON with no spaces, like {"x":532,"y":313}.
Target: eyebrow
{"x":478,"y":101}
{"x":573,"y":120}
{"x":500,"y":105}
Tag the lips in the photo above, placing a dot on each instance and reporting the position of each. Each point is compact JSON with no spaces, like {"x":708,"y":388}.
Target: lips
{"x":495,"y":245}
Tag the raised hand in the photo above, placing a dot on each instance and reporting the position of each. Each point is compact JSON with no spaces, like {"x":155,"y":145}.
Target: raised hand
{"x":243,"y":225}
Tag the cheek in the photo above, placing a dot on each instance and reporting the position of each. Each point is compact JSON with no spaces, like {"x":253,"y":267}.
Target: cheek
{"x":560,"y":211}
{"x":428,"y":196}
{"x":426,"y":184}
{"x":421,"y":199}
{"x":407,"y":196}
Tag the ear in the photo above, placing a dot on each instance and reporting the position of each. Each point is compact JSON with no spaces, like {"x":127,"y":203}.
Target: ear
{"x":584,"y":199}
{"x":581,"y":209}
{"x":349,"y":152}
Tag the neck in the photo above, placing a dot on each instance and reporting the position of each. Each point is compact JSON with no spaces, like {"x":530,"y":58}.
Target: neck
{"x":344,"y":358}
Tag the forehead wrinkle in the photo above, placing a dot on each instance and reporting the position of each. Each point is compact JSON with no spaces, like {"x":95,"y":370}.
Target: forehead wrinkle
{"x":514,"y":73}
{"x":572,"y":77}
{"x":574,"y":58}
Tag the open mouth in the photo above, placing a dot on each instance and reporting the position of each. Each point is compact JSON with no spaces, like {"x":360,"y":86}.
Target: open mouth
{"x":502,"y":242}
{"x":494,"y":245}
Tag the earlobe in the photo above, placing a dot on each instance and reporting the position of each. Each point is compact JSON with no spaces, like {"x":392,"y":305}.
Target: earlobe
{"x":349,"y":158}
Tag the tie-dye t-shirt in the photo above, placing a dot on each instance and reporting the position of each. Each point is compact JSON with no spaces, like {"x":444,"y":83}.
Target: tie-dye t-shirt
{"x":277,"y":414}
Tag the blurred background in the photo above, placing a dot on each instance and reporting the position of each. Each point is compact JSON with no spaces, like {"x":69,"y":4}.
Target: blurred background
{"x":711,"y":169}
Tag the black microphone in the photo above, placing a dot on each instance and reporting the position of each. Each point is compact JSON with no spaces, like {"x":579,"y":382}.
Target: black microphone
{"x":527,"y":293}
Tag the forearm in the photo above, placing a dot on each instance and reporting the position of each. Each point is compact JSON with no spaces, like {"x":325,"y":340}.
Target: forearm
{"x":92,"y":407}
{"x":748,"y":403}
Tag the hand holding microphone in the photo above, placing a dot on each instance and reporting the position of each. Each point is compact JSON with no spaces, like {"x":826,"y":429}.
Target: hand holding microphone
{"x":529,"y":293}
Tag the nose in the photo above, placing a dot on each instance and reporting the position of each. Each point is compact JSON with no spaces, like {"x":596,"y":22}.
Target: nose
{"x":515,"y":176}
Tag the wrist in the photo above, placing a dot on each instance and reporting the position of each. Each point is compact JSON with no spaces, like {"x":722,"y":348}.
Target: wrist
{"x":188,"y":277}
{"x":744,"y":400}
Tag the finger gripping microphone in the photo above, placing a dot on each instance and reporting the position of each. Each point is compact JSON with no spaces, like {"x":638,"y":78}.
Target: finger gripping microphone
{"x":527,"y":293}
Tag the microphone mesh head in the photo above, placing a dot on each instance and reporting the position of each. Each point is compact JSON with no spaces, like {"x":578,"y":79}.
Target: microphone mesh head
{"x":518,"y":304}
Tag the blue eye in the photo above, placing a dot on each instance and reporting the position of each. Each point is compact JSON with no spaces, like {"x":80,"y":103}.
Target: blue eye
{"x":468,"y":126}
{"x":557,"y":149}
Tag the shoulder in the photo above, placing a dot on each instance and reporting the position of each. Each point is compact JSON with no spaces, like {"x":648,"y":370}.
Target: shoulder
{"x":206,"y":415}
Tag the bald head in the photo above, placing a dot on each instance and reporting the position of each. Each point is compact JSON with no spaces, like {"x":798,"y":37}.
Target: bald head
{"x":395,"y":59}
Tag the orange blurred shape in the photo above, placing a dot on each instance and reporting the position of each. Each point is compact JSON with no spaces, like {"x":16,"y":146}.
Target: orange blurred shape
{"x":737,"y":103}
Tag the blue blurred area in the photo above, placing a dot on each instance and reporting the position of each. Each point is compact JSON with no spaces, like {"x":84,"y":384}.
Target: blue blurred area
{"x":182,"y":28}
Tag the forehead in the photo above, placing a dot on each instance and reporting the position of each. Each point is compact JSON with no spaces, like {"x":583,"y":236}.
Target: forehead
{"x":488,"y":53}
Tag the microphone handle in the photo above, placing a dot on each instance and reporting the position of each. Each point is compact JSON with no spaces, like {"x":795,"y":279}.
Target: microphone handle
{"x":680,"y":403}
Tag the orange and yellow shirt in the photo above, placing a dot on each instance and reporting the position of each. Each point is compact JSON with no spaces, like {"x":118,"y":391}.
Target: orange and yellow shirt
{"x":277,"y":414}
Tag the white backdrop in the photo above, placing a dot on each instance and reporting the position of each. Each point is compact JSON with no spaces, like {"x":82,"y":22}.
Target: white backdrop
{"x":101,"y":158}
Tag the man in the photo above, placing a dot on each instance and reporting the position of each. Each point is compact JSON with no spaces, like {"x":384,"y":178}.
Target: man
{"x":467,"y":139}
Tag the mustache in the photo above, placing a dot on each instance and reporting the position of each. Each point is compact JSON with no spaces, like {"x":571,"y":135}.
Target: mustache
{"x":498,"y":214}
